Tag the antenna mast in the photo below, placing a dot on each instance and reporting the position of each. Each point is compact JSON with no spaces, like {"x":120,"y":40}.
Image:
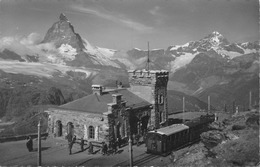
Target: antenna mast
{"x":148,"y":60}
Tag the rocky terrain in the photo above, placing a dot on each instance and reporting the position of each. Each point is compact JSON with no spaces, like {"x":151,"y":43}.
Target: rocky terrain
{"x":232,"y":141}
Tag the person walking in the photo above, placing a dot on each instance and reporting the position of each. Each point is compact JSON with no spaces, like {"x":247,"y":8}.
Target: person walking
{"x":71,"y":143}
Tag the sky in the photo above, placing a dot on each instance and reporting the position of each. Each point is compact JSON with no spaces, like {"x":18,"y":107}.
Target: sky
{"x":127,"y":24}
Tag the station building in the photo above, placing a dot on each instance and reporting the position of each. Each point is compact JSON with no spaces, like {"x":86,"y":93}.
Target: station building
{"x":108,"y":114}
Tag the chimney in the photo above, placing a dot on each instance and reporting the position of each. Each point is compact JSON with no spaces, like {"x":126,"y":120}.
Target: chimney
{"x":117,"y":98}
{"x":97,"y":89}
{"x":120,"y":85}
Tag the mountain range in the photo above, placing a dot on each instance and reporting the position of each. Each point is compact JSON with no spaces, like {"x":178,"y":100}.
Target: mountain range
{"x":63,"y":66}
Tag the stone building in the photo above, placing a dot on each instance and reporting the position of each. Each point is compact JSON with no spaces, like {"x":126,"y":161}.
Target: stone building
{"x":108,"y":114}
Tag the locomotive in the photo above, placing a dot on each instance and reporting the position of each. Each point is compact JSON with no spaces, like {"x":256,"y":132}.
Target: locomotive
{"x":164,"y":140}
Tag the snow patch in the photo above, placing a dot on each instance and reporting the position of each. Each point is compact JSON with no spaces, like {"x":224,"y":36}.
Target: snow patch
{"x":108,"y":52}
{"x":98,"y":56}
{"x":68,"y":52}
{"x":137,"y":49}
{"x":175,"y":47}
{"x":186,"y":44}
{"x":40,"y":69}
{"x":182,"y":60}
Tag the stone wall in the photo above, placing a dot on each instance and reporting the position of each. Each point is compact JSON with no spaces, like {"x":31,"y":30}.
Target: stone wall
{"x":81,"y":122}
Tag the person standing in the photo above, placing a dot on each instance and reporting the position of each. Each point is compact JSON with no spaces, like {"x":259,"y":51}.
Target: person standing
{"x":82,"y":144}
{"x":105,"y":149}
{"x":29,"y":143}
{"x":90,"y":149}
{"x":114,"y":145}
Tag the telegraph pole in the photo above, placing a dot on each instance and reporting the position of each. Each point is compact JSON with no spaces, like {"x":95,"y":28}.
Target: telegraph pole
{"x":250,"y":100}
{"x":148,"y":59}
{"x":130,"y":139}
{"x":130,"y":152}
{"x":39,"y":144}
{"x":183,"y":108}
{"x":208,"y":104}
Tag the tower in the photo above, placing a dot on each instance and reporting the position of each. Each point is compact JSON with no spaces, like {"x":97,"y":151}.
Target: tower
{"x":152,"y":86}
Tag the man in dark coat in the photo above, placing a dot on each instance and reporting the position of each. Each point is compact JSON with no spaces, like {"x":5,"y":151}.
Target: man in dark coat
{"x":82,"y":144}
{"x":29,"y":143}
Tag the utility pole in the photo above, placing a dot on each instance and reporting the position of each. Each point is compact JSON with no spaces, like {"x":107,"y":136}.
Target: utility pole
{"x":183,"y":108}
{"x":148,"y":59}
{"x":234,"y":106}
{"x":130,"y":152}
{"x":250,"y":100}
{"x":130,"y":139}
{"x":208,"y":104}
{"x":39,"y":144}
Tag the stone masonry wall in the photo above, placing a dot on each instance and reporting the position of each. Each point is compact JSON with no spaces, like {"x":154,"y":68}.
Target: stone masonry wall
{"x":81,"y":122}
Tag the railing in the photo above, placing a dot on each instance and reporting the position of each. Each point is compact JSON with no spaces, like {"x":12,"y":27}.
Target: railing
{"x":21,"y":137}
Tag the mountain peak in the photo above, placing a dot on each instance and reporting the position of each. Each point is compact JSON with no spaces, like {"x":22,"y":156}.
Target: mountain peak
{"x":63,"y":17}
{"x":62,"y":32}
{"x":216,"y":33}
{"x":215,"y":39}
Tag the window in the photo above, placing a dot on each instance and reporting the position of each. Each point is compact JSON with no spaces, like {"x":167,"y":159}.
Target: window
{"x":91,"y":132}
{"x":160,"y":99}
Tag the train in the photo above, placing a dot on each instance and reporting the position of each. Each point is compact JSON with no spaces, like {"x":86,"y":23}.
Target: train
{"x":164,"y":140}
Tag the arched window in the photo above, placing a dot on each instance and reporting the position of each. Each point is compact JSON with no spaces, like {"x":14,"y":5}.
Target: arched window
{"x":160,"y":99}
{"x":91,"y":132}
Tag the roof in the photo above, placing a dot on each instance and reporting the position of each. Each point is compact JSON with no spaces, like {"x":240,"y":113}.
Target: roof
{"x":187,"y":115}
{"x":201,"y":120}
{"x":168,"y":130}
{"x":95,"y":103}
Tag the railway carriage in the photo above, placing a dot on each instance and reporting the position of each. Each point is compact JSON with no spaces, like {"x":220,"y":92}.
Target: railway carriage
{"x":162,"y":141}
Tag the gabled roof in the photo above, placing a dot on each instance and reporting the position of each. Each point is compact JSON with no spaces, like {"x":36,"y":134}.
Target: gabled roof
{"x":95,"y":103}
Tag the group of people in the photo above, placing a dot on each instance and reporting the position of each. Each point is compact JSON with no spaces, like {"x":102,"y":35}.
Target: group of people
{"x":105,"y":148}
{"x":114,"y":146}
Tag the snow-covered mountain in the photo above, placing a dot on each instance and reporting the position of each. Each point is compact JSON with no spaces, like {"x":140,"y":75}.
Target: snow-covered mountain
{"x":62,"y":50}
{"x":210,"y":66}
{"x":63,"y":56}
{"x":213,"y":66}
{"x":178,"y":56}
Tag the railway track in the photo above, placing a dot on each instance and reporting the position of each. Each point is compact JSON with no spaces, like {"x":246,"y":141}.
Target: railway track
{"x":139,"y":160}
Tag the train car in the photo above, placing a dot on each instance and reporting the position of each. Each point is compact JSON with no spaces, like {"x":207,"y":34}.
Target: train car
{"x":162,"y":141}
{"x":197,"y":126}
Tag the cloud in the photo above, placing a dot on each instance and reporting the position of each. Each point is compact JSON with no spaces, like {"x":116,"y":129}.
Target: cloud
{"x":155,"y":10}
{"x":115,"y":18}
{"x":32,"y":39}
{"x":29,"y":45}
